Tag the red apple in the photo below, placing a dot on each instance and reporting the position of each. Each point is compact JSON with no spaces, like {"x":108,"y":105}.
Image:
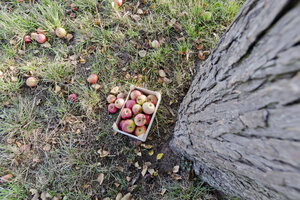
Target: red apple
{"x":111,"y":98}
{"x":119,"y":2}
{"x":112,"y":108}
{"x":135,"y":93}
{"x":31,"y":82}
{"x":27,"y":39}
{"x":140,"y":119}
{"x":119,"y":103}
{"x":33,"y":35}
{"x":136,"y":109}
{"x":40,"y":31}
{"x":126,"y":113}
{"x":61,"y":32}
{"x":121,"y":95}
{"x":92,"y":79}
{"x":41,"y":38}
{"x":141,"y":99}
{"x":140,"y":130}
{"x":148,"y":119}
{"x":74,"y":6}
{"x":130,"y":103}
{"x":73,"y":98}
{"x":128,"y":126}
{"x":152,"y":98}
{"x":121,"y":124}
{"x":155,"y":44}
{"x":148,"y":108}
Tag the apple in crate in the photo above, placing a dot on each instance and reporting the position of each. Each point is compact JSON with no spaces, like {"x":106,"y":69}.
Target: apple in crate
{"x":140,"y":119}
{"x":136,"y":109}
{"x":119,"y":103}
{"x":111,"y":98}
{"x":130,"y":103}
{"x":112,"y":108}
{"x":121,"y":95}
{"x":140,"y":130}
{"x":126,"y":113}
{"x":128,"y":126}
{"x":121,"y":124}
{"x":152,"y":98}
{"x":148,"y":119}
{"x":141,"y":99}
{"x":148,"y":108}
{"x":135,"y":93}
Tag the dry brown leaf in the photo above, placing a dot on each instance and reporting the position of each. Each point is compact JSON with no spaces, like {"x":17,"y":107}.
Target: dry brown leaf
{"x":121,"y":169}
{"x":69,"y":37}
{"x":115,"y":90}
{"x":10,"y":140}
{"x":45,"y":195}
{"x":137,"y":152}
{"x":199,"y":46}
{"x":127,"y":196}
{"x":100,"y":178}
{"x":175,"y":169}
{"x":47,"y":147}
{"x":82,"y":60}
{"x":102,"y":153}
{"x":130,"y":189}
{"x":177,"y":26}
{"x":96,"y":86}
{"x":136,"y":164}
{"x":144,"y":171}
{"x":162,"y":73}
{"x":163,"y":191}
{"x":137,"y":18}
{"x":57,"y":89}
{"x":201,"y":55}
{"x":128,"y":178}
{"x":176,"y":177}
{"x":117,"y":184}
{"x":86,"y":186}
{"x":119,"y":196}
{"x":6,"y":178}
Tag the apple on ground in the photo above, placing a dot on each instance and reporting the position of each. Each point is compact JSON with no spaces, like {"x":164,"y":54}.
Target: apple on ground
{"x":74,"y":6}
{"x":152,"y":98}
{"x":128,"y":126}
{"x":148,"y":108}
{"x":61,"y":32}
{"x":31,"y":82}
{"x":141,"y":99}
{"x":135,"y":93}
{"x":140,"y":119}
{"x":148,"y":119}
{"x":92,"y":79}
{"x":40,"y":31}
{"x":112,"y":108}
{"x":126,"y":113}
{"x":27,"y":39}
{"x":119,"y":103}
{"x":136,"y":109}
{"x":140,"y":130}
{"x":155,"y":44}
{"x":111,"y":98}
{"x":33,"y":35}
{"x":130,"y":103}
{"x":41,"y":38}
{"x":73,"y":97}
{"x":119,"y":2}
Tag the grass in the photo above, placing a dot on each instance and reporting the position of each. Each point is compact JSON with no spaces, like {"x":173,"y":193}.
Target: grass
{"x":50,"y":144}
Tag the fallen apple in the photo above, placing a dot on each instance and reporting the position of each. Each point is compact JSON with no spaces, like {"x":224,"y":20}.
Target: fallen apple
{"x":121,"y":95}
{"x":61,"y":32}
{"x":135,"y":93}
{"x":119,"y":2}
{"x":155,"y":44}
{"x":119,"y":103}
{"x":31,"y":82}
{"x":40,"y":31}
{"x":27,"y":39}
{"x":140,"y":119}
{"x":136,"y":109}
{"x":140,"y":130}
{"x":148,"y":108}
{"x":112,"y":108}
{"x":141,"y":99}
{"x":128,"y":126}
{"x":33,"y":35}
{"x":74,"y":6}
{"x":152,"y":98}
{"x":92,"y":79}
{"x":111,"y":98}
{"x":130,"y":103}
{"x":73,"y":97}
{"x":41,"y":38}
{"x":148,"y":119}
{"x":126,"y":113}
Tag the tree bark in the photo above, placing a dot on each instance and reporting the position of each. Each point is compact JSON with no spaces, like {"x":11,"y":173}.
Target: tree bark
{"x":240,"y":120}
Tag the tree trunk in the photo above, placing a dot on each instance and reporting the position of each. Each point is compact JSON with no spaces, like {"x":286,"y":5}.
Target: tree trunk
{"x":240,"y":120}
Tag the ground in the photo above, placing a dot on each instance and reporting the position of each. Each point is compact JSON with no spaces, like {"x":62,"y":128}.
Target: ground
{"x":50,"y":145}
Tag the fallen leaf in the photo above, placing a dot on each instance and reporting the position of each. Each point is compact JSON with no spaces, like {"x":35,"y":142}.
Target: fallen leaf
{"x":159,"y":156}
{"x":175,"y":169}
{"x":6,"y":178}
{"x":137,"y":18}
{"x":163,"y":191}
{"x":121,"y":169}
{"x":128,"y":178}
{"x":14,"y":79}
{"x":142,"y":53}
{"x":201,"y":56}
{"x":147,"y":146}
{"x":100,"y":178}
{"x":35,"y":194}
{"x":140,"y":11}
{"x":144,"y":171}
{"x":57,"y":89}
{"x":25,"y":148}
{"x":151,"y":171}
{"x":47,"y":147}
{"x":45,"y":195}
{"x":137,"y":152}
{"x":86,"y":186}
{"x":96,"y":86}
{"x":46,"y":45}
{"x":82,"y":60}
{"x":176,"y":177}
{"x":102,"y":153}
{"x":151,"y":152}
{"x":69,"y":37}
{"x":162,"y":73}
{"x":136,"y":164}
{"x":130,"y":189}
{"x":199,"y":46}
{"x":127,"y":196}
{"x":177,"y":26}
{"x":206,"y":53}
{"x":117,"y":184}
{"x":115,"y":90}
{"x":119,"y":196}
{"x":106,"y":198}
{"x":148,"y":163}
{"x":10,"y":140}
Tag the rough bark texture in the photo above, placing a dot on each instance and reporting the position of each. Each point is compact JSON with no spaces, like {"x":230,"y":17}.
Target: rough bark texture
{"x":240,"y":121}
